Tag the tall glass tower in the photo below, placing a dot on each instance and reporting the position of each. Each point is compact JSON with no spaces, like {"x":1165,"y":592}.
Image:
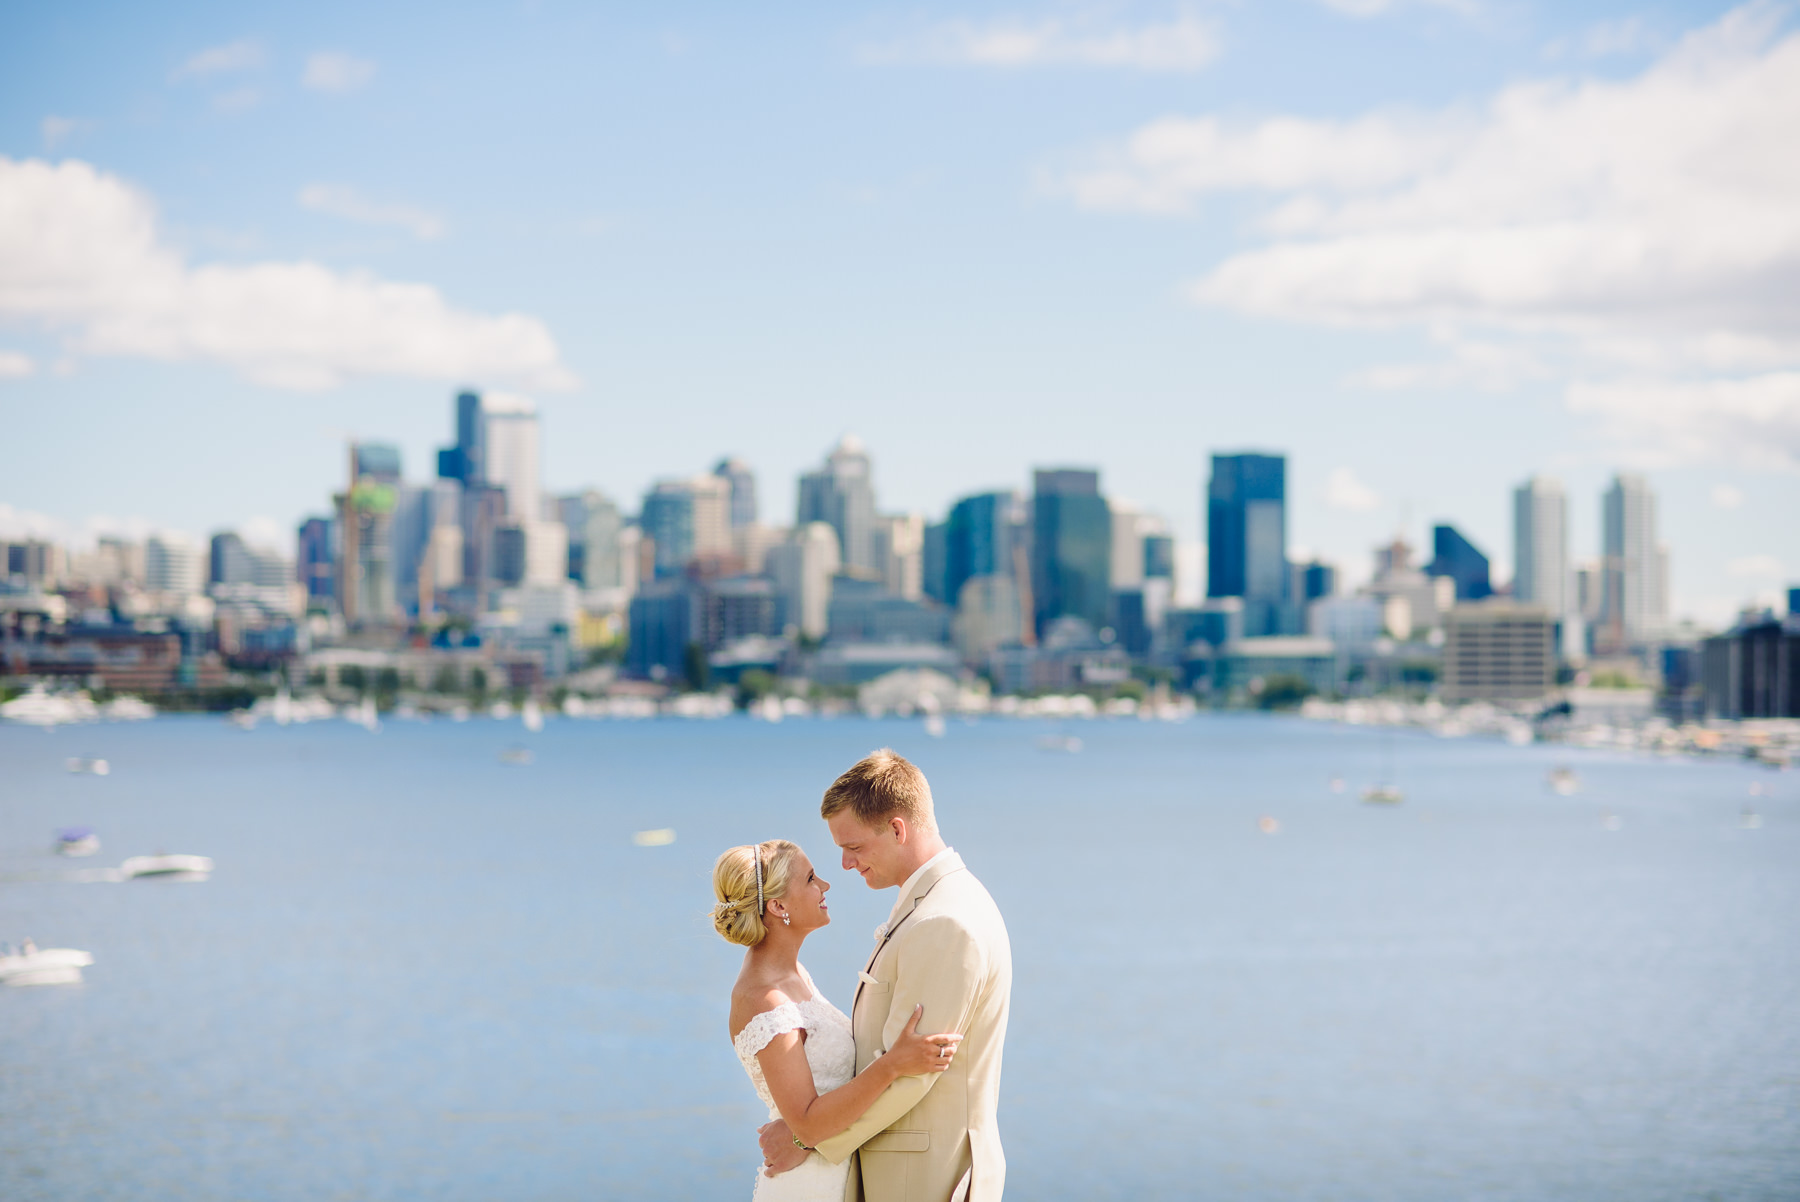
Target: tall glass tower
{"x":1246,"y":539}
{"x":1071,"y":548}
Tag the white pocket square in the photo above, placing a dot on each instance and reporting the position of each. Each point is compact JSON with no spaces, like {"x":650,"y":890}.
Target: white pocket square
{"x":868,"y":979}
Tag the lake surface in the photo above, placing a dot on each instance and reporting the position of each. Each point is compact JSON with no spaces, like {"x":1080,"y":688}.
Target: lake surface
{"x":419,"y":972}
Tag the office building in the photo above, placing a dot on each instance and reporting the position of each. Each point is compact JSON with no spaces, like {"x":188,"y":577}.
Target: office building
{"x":462,"y":462}
{"x":315,"y":563}
{"x":741,"y":492}
{"x":1159,"y":557}
{"x":803,"y":569}
{"x":663,"y":625}
{"x":1071,"y":548}
{"x":1129,"y":527}
{"x":842,"y":495}
{"x":365,"y":570}
{"x":1498,"y":651}
{"x":595,"y":527}
{"x":1246,"y":539}
{"x":736,"y":608}
{"x":866,"y":611}
{"x":1541,"y":574}
{"x":934,"y":562}
{"x":687,"y":519}
{"x":1633,"y":566}
{"x":230,"y":562}
{"x":173,"y":566}
{"x":978,"y":539}
{"x":988,"y":616}
{"x":1456,"y":557}
{"x":1247,"y":667}
{"x":1753,"y":670}
{"x":900,"y":554}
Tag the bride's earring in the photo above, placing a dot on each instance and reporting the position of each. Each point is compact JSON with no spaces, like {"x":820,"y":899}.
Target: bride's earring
{"x":786,"y":921}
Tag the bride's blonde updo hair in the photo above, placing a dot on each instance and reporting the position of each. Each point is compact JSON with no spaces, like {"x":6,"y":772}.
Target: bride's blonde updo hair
{"x":737,"y":916}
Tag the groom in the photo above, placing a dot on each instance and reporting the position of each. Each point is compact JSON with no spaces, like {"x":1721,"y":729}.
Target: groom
{"x":931,"y":1138}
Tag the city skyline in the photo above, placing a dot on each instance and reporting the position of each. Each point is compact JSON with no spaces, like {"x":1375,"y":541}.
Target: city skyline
{"x":990,"y":276}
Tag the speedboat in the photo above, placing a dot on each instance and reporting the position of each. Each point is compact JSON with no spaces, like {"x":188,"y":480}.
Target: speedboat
{"x":49,"y":966}
{"x":81,"y":765}
{"x":173,"y":868}
{"x":77,"y":841}
{"x":1386,"y":795}
{"x":1563,"y":780}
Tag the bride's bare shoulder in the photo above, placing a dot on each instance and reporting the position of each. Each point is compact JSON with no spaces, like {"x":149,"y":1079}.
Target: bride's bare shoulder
{"x":751,"y":997}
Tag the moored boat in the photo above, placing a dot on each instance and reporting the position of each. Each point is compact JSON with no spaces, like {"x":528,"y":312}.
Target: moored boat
{"x":77,"y":841}
{"x":175,"y":868}
{"x":30,"y":965}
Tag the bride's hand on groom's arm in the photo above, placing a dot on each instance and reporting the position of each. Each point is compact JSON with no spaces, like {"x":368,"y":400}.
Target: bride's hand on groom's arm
{"x":780,"y":1152}
{"x":916,"y":1055}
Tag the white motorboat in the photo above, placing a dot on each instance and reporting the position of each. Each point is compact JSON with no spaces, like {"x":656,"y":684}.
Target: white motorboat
{"x":531,"y":715}
{"x":81,"y":765}
{"x":173,"y":868}
{"x":1563,"y":780}
{"x":30,"y":965}
{"x":41,"y":707}
{"x":128,"y":709}
{"x":1384,"y":795}
{"x":77,"y":841}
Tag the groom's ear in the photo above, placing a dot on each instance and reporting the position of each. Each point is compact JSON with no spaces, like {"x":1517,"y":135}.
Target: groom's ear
{"x":897,"y":824}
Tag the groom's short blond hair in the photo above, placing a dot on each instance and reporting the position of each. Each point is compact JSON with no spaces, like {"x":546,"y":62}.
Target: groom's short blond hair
{"x":879,"y":786}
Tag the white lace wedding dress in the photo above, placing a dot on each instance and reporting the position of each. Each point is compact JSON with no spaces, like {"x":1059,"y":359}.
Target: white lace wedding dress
{"x":831,"y":1051}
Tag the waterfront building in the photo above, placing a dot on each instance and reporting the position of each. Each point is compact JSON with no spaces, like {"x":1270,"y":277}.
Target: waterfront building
{"x":737,"y":608}
{"x":978,"y":539}
{"x":1633,"y":567}
{"x":900,"y":554}
{"x":1246,"y":538}
{"x":1246,"y":666}
{"x":662,"y":621}
{"x":842,"y":495}
{"x":859,"y":663}
{"x":1498,"y":651}
{"x":1351,"y":623}
{"x":1071,"y":548}
{"x":803,"y":569}
{"x":740,"y":481}
{"x":867,"y":611}
{"x":1217,"y":621}
{"x":1458,"y":559}
{"x":1541,"y":548}
{"x":1753,"y":670}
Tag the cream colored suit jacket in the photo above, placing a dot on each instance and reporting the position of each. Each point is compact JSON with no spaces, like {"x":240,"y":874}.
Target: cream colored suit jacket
{"x":925,"y":1136}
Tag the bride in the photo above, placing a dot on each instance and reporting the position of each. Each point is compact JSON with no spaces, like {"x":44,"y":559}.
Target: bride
{"x":795,"y":1045}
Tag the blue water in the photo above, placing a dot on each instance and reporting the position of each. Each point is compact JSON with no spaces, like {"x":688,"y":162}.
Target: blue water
{"x":421,"y":973}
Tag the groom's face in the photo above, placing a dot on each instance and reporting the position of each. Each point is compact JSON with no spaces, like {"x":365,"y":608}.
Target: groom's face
{"x":874,"y":852}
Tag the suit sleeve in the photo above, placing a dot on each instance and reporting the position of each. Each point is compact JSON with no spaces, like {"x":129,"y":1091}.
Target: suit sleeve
{"x":939,"y":964}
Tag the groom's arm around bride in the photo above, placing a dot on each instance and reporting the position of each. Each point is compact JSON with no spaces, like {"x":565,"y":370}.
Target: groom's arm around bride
{"x":944,"y":947}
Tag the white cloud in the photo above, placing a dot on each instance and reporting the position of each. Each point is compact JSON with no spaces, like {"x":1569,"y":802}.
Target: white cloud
{"x":83,"y":255}
{"x":1364,"y":9}
{"x":1754,"y":421}
{"x":243,"y":55}
{"x":1185,"y":43}
{"x":1344,"y":491}
{"x":1755,"y":567}
{"x":334,"y":71}
{"x":57,"y":130}
{"x":1726,"y":496}
{"x":265,"y":533}
{"x":15,"y":366}
{"x":26,"y":524}
{"x":1625,"y":36}
{"x":1640,"y":233}
{"x":337,"y":200}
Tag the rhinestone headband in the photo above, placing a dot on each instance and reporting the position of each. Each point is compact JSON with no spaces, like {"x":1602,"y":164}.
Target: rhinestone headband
{"x":757,"y":852}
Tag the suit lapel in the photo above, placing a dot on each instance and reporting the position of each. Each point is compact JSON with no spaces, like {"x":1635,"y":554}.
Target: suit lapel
{"x":924,"y":885}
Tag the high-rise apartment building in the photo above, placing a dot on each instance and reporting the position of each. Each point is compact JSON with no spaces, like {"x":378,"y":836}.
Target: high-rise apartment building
{"x":742,"y":484}
{"x":1071,"y":548}
{"x":1633,"y":565}
{"x":1459,"y":559}
{"x":1541,"y":547}
{"x":1246,"y":539}
{"x":900,"y":553}
{"x":842,"y":495}
{"x":802,"y":569}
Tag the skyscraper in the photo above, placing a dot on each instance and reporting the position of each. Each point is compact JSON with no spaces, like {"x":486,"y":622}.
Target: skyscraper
{"x":509,"y":453}
{"x":231,"y":562}
{"x":1632,"y":564}
{"x":1459,"y":559}
{"x":842,"y":495}
{"x":314,"y":564}
{"x":172,"y":565}
{"x":1541,"y":547}
{"x":1246,"y":538}
{"x":1071,"y":548}
{"x":742,"y":482}
{"x":687,"y":518}
{"x":978,"y":540}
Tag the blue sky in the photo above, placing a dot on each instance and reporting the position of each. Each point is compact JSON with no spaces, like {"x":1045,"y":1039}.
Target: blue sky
{"x":1427,"y":248}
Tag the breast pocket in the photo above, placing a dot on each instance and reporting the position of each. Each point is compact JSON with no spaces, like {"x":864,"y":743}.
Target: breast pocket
{"x":873,"y":984}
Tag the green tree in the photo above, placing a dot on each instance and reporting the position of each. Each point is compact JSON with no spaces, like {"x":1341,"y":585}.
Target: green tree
{"x":352,"y":677}
{"x":1283,"y":691}
{"x":695,"y":667}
